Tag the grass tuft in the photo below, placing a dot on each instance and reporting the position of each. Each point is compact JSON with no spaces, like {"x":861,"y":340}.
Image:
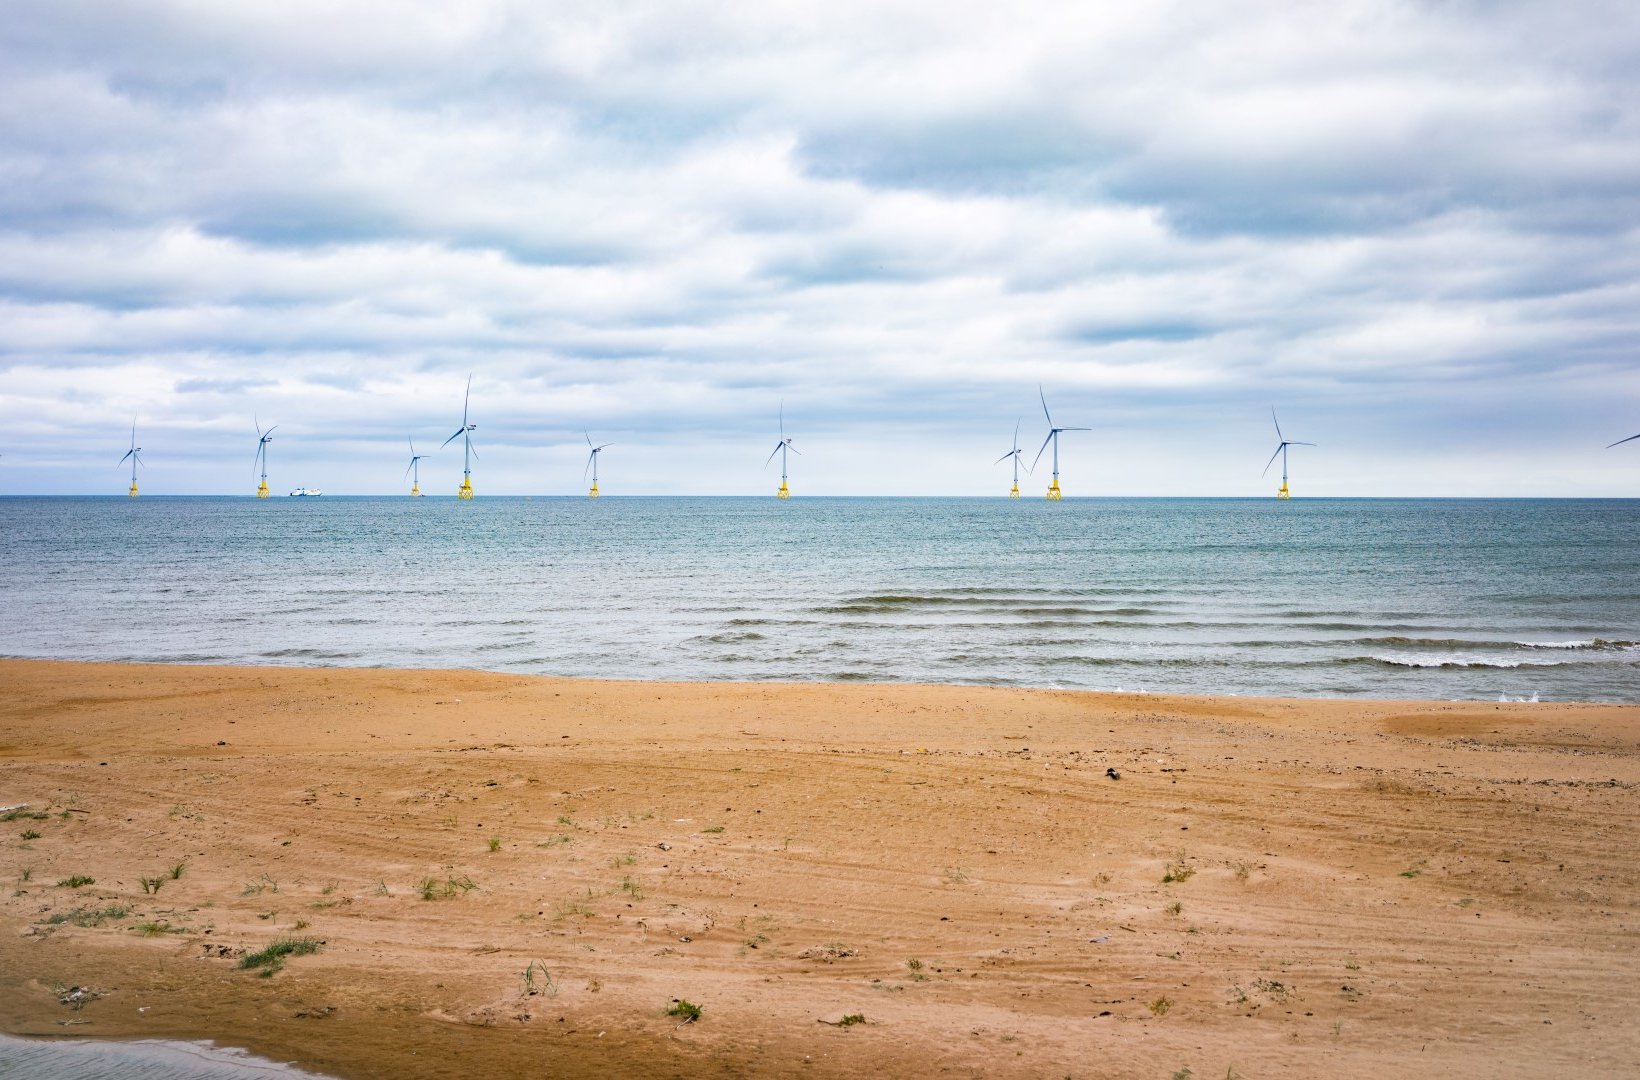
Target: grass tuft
{"x":77,"y":881}
{"x":1178,"y":870}
{"x":272,"y":958}
{"x":684,"y":1009}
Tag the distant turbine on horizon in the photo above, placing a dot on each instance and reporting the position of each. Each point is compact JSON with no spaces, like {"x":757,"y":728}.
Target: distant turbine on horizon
{"x":1281,"y":450}
{"x":262,"y":440}
{"x":780,"y":448}
{"x":135,"y":454}
{"x":592,"y":463}
{"x":465,"y":434}
{"x":1053,"y":437}
{"x":415,"y":484}
{"x":1016,"y":453}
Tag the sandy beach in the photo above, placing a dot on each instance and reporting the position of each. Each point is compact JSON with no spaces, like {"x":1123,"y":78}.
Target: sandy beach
{"x":512,"y":875}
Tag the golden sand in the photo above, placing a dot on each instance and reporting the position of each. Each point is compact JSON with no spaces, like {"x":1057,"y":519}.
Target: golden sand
{"x":518,"y":876}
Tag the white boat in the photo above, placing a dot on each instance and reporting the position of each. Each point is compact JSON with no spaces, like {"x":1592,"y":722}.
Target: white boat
{"x":304,"y":492}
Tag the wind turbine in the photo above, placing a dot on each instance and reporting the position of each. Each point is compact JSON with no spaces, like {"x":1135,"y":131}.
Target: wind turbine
{"x":465,"y":434}
{"x":415,"y":484}
{"x":262,"y":440}
{"x":1281,"y":449}
{"x":780,"y":448}
{"x":1053,"y":437}
{"x":135,"y":454}
{"x":592,"y":463}
{"x":1016,"y":453}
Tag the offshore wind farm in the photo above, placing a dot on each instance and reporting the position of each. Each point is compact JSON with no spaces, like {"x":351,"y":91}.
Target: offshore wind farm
{"x":783,"y":446}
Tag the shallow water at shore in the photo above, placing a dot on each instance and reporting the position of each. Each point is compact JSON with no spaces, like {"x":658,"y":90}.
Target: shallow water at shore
{"x":145,"y":1059}
{"x":1472,"y":599}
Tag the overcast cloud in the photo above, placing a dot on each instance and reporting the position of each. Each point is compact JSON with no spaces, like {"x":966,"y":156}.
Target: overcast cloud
{"x":1410,"y":227}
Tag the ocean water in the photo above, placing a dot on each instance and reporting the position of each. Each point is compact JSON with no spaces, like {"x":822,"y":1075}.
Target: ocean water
{"x":1449,"y":599}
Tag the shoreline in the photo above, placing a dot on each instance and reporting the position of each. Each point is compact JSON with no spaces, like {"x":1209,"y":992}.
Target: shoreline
{"x":1356,"y":885}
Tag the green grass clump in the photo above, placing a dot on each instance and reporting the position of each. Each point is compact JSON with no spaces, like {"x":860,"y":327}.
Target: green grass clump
{"x":23,"y":813}
{"x":272,"y":958}
{"x":1178,"y":870}
{"x":89,"y":916}
{"x":31,"y":834}
{"x":1160,"y":1006}
{"x":150,"y":885}
{"x":177,"y":869}
{"x":156,"y":927}
{"x":713,"y":829}
{"x":684,"y":1009}
{"x":434,"y":889}
{"x":495,"y":843}
{"x":851,"y":1019}
{"x":77,"y":881}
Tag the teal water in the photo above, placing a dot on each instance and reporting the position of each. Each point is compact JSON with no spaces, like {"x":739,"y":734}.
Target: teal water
{"x":1466,"y":599}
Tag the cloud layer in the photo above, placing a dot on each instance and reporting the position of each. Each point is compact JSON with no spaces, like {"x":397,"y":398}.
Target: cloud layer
{"x":1409,"y":226}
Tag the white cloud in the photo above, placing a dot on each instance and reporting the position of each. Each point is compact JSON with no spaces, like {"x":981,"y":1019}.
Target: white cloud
{"x":1394,"y":220}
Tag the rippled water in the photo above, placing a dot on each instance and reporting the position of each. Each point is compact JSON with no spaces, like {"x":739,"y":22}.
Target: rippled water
{"x":146,"y":1059}
{"x":1387,"y":598}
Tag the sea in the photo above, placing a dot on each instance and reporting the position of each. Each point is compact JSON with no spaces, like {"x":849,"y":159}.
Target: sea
{"x":1460,"y":599}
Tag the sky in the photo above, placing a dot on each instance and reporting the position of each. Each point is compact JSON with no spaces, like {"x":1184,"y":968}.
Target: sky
{"x":1411,"y":229}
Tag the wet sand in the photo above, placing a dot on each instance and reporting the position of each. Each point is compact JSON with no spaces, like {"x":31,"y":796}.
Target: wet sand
{"x":520,"y":875}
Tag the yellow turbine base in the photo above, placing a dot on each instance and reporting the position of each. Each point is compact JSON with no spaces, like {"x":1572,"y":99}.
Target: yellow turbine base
{"x":1053,"y":491}
{"x":593,"y":494}
{"x":1282,"y":494}
{"x":262,"y":491}
{"x":133,"y":492}
{"x":784,"y":492}
{"x":415,"y":489}
{"x":1014,"y":494}
{"x":466,"y":491}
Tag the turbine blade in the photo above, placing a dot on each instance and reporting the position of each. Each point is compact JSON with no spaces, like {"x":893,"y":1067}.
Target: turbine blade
{"x":1291,"y":443}
{"x":794,"y":449}
{"x":773,"y":452}
{"x":588,"y":434}
{"x":128,"y":453}
{"x":782,"y":419}
{"x":1004,"y":457}
{"x":452,"y":438}
{"x":1620,"y":442}
{"x":1045,"y":411}
{"x":1277,"y":423}
{"x":1038,"y":457}
{"x":1075,"y":429}
{"x":1272,"y":460}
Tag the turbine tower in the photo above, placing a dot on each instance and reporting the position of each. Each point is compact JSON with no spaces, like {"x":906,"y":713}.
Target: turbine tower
{"x":1016,"y":453}
{"x":1281,"y":449}
{"x":135,"y":454}
{"x":1053,"y":437}
{"x":262,"y":440}
{"x":780,"y":448}
{"x":465,"y":434}
{"x":592,"y":463}
{"x":414,"y":467}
